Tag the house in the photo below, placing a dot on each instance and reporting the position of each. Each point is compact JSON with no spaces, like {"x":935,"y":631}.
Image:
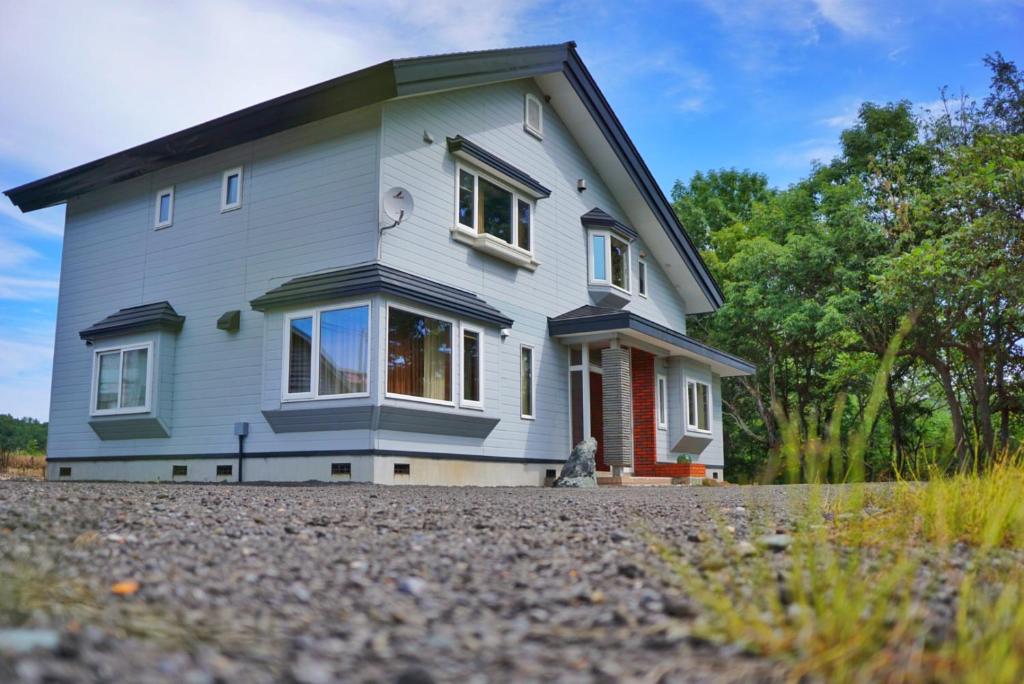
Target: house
{"x":235,"y":303}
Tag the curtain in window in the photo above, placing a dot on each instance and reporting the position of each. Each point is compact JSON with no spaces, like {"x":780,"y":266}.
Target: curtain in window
{"x":343,"y":343}
{"x":133,"y":378}
{"x":419,"y":356}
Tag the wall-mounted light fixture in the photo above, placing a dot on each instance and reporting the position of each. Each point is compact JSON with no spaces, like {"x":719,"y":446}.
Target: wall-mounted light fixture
{"x":581,"y":184}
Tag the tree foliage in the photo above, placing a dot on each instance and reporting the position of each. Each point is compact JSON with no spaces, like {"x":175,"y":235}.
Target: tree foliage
{"x":919,"y":216}
{"x":21,"y":435}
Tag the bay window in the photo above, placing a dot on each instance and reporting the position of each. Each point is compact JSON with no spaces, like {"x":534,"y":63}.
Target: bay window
{"x":419,"y":356}
{"x":698,"y":406}
{"x":609,"y":260}
{"x":121,"y":379}
{"x":488,"y":207}
{"x":327,"y":353}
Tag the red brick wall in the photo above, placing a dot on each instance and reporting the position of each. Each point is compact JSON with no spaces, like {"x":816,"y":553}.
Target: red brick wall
{"x":645,"y":445}
{"x":645,"y":428}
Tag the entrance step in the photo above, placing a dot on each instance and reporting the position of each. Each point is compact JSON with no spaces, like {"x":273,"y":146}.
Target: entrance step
{"x":632,"y":481}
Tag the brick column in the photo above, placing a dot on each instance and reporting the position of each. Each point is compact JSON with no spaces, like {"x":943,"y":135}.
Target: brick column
{"x":617,"y":406}
{"x":645,"y":445}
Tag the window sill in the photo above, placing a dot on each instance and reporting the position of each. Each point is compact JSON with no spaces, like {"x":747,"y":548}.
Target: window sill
{"x":119,"y":412}
{"x":488,"y":244}
{"x":324,"y":397}
{"x":420,"y":400}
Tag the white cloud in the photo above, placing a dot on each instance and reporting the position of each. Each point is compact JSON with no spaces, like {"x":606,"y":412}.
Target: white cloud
{"x":801,"y":19}
{"x":86,"y":79}
{"x":804,"y":153}
{"x":14,"y":254}
{"x":26,"y":289}
{"x":25,"y":376}
{"x":47,"y":222}
{"x":843,"y":119}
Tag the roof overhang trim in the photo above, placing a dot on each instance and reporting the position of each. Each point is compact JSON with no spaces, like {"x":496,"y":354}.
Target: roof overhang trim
{"x":629,"y":324}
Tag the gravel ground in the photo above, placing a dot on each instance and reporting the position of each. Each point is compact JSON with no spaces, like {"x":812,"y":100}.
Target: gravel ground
{"x":361,"y":583}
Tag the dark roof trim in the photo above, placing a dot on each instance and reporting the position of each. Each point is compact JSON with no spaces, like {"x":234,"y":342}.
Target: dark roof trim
{"x":593,"y":99}
{"x":466,"y":148}
{"x":597,"y":319}
{"x":373,"y":278}
{"x":598,"y":218}
{"x":157,"y":316}
{"x":396,"y":78}
{"x":378,"y":83}
{"x":342,"y":453}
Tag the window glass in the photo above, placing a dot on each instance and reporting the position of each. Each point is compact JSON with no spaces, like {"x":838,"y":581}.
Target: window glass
{"x":698,"y":395}
{"x":471,"y":365}
{"x":231,"y":190}
{"x":300,"y":356}
{"x":165,"y":207}
{"x":108,"y":380}
{"x":523,"y":225}
{"x":419,"y":355}
{"x":133,"y":378}
{"x":526,"y":381}
{"x":598,"y":257}
{"x":641,"y":277}
{"x":343,"y":346}
{"x":575,"y":356}
{"x":660,"y":399}
{"x":466,"y":199}
{"x":620,"y":263}
{"x":495,"y":210}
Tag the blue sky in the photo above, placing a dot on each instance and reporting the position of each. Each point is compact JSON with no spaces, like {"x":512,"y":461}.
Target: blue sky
{"x":704,"y":84}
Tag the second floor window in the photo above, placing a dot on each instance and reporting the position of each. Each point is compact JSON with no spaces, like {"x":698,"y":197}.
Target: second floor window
{"x":609,"y":260}
{"x":164,"y":215}
{"x":487,"y":207}
{"x":231,"y":190}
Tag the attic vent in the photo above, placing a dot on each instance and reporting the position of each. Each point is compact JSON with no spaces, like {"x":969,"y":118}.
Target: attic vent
{"x":401,"y":469}
{"x":534,"y":117}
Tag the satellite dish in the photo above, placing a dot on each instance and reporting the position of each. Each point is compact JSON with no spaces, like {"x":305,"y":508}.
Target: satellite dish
{"x":398,"y":204}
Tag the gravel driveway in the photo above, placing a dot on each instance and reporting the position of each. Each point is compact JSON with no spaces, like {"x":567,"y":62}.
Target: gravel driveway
{"x":362,"y":583}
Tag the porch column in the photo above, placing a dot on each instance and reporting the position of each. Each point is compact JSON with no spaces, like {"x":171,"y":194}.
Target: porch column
{"x":617,"y":405}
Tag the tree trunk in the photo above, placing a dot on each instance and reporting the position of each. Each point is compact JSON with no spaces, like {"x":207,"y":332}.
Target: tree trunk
{"x":984,"y":403}
{"x":946,"y":380}
{"x":897,"y":427}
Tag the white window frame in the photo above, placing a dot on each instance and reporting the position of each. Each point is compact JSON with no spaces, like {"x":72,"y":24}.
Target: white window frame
{"x":693,"y":427}
{"x":150,"y":363}
{"x":224,"y":205}
{"x":642,"y":283}
{"x":456,"y":349}
{"x":536,"y":132}
{"x":533,"y":382}
{"x":592,"y":264}
{"x":157,"y":223}
{"x":660,"y":400}
{"x":516,"y":198}
{"x":463,"y":402}
{"x":314,"y":369}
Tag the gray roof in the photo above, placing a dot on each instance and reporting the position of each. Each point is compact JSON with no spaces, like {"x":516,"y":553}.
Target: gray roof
{"x":587,"y":319}
{"x":372,"y":278}
{"x":468,"y":147}
{"x":385,"y":81}
{"x":156,"y":316}
{"x":599,"y":218}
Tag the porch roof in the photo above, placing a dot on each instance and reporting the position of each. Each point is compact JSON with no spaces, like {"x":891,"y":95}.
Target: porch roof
{"x":596,"y":320}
